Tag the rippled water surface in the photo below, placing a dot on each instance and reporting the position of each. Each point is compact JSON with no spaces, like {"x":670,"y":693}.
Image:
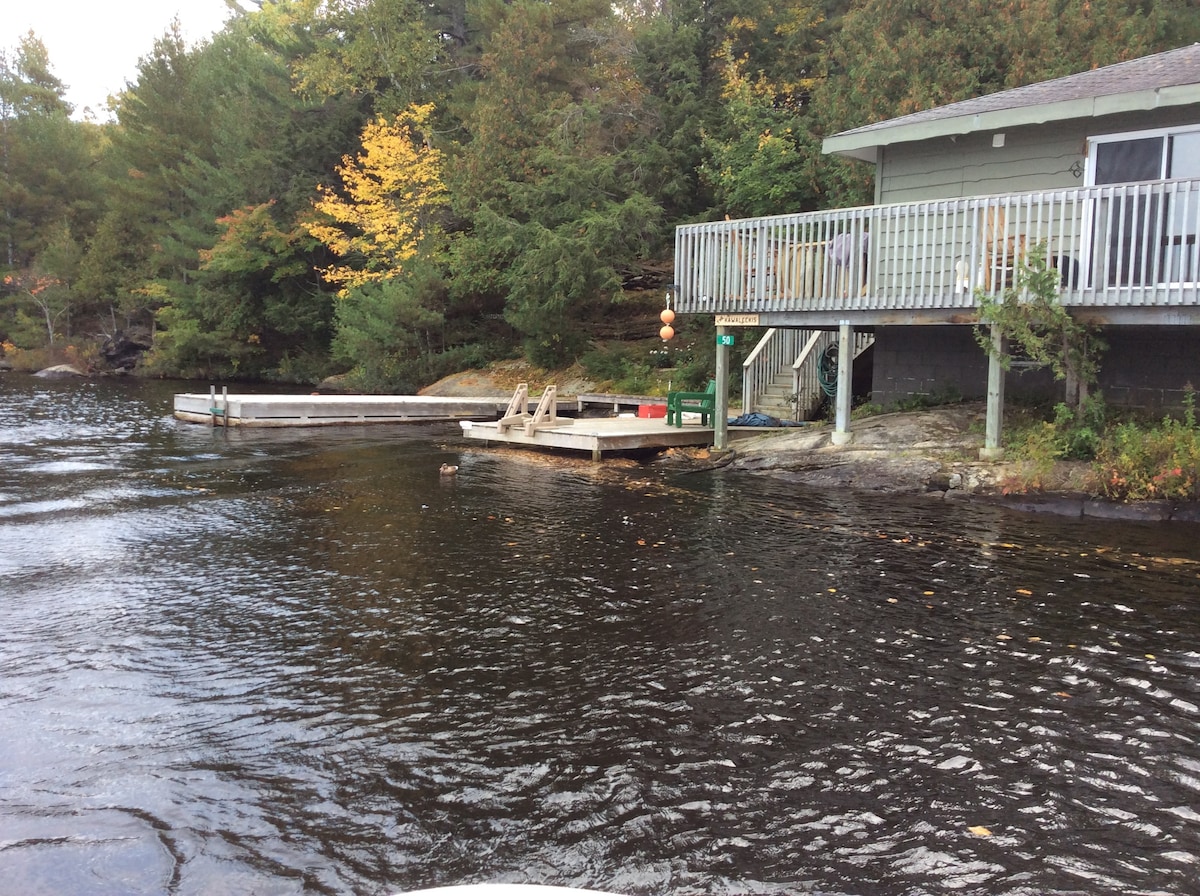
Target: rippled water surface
{"x":301,"y":662}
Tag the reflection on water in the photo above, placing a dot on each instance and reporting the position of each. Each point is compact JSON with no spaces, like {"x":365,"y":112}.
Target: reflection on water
{"x":301,"y":661}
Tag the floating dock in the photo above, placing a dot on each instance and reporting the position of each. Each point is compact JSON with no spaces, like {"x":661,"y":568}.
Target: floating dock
{"x":225,"y":409}
{"x":491,"y":420}
{"x":594,"y":434}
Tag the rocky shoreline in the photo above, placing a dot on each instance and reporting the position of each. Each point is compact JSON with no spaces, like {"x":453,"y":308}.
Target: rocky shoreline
{"x":932,"y":452}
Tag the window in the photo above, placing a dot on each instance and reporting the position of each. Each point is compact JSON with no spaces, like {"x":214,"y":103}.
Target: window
{"x":1146,"y":239}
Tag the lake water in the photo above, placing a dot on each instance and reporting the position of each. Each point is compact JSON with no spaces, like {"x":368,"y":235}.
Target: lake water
{"x":300,"y":661}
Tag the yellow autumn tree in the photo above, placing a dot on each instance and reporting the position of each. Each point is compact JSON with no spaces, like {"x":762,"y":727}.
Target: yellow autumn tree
{"x":385,"y":211}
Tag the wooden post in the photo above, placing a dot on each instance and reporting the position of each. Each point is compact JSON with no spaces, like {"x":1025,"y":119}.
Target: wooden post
{"x":721,"y":404}
{"x":215,"y":410}
{"x":845,"y":378}
{"x":993,"y":431}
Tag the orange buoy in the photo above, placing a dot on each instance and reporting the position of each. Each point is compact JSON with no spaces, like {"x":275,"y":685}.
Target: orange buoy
{"x":667,"y":316}
{"x":666,"y":333}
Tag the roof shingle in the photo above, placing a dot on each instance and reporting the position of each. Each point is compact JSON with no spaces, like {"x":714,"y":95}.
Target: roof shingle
{"x":1173,"y":68}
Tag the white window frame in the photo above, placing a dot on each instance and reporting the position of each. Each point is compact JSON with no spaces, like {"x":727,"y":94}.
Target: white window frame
{"x":1118,"y":137}
{"x":1092,"y":142}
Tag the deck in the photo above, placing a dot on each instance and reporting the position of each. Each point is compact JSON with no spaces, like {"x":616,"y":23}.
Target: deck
{"x":597,"y":435}
{"x":330,"y":410}
{"x":482,"y":419}
{"x":1126,"y":253}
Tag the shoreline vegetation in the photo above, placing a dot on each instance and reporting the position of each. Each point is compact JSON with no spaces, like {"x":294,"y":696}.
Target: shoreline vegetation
{"x":1135,"y":469}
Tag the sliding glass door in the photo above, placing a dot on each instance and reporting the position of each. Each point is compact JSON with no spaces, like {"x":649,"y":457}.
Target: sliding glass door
{"x":1144,"y":240}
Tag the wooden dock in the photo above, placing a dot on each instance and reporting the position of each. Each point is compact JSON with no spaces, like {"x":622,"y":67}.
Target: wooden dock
{"x":595,"y":435}
{"x":225,"y":409}
{"x":491,"y":420}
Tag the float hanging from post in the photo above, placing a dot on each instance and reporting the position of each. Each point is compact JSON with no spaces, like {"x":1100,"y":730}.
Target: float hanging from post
{"x":667,"y":316}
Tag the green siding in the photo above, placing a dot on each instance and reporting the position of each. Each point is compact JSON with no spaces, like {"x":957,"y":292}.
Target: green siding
{"x":1033,"y":158}
{"x":971,"y":166}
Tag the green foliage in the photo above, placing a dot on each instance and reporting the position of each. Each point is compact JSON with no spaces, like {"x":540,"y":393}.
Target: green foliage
{"x":1031,"y":319}
{"x":937,"y":398}
{"x":576,"y":134}
{"x":389,"y":332}
{"x":1130,"y":460}
{"x":1136,"y":463}
{"x":763,"y":162}
{"x":47,"y":181}
{"x":1037,"y":445}
{"x":892,"y":58}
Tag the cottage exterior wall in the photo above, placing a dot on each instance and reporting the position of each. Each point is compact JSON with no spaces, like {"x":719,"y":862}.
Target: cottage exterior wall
{"x":1144,"y":367}
{"x":1032,"y":158}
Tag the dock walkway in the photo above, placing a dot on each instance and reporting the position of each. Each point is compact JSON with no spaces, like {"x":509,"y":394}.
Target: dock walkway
{"x":595,"y":435}
{"x":226,"y":409}
{"x":482,"y":419}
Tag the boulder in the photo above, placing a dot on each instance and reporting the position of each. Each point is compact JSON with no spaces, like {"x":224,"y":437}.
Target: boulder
{"x":337,"y":384}
{"x":122,"y":351}
{"x":59,"y":371}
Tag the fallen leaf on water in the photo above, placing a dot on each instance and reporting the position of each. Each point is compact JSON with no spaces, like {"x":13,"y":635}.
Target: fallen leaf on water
{"x":642,"y":542}
{"x":979,"y":831}
{"x":1151,"y":656}
{"x":892,"y":600}
{"x":1003,"y":637}
{"x":927,"y":593}
{"x":1025,"y":591}
{"x":832,"y":590}
{"x":1061,"y":694}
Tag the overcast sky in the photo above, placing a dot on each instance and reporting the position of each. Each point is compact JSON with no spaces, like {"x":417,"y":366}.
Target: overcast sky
{"x":94,"y":45}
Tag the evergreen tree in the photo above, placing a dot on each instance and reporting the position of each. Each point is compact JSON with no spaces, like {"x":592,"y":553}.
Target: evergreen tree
{"x":549,"y":204}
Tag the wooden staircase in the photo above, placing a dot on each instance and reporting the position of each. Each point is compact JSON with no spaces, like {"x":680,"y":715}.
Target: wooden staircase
{"x":780,"y":377}
{"x":778,"y":396}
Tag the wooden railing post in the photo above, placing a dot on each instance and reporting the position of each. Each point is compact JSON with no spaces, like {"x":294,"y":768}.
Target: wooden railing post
{"x":993,"y":431}
{"x":841,"y":430}
{"x":721,"y":406}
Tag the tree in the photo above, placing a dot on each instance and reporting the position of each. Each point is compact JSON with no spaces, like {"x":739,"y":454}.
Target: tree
{"x":546,"y":189}
{"x":215,"y":160}
{"x":764,"y":163}
{"x":392,"y":192}
{"x":380,"y":48}
{"x":893,"y":57}
{"x":46,"y":172}
{"x":1031,"y":319}
{"x":389,"y":332}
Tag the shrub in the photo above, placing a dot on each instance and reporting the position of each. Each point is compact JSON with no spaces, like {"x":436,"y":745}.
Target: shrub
{"x":1136,"y":463}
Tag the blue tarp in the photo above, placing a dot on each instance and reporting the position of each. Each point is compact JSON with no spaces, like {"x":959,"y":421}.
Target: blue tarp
{"x":757,"y":419}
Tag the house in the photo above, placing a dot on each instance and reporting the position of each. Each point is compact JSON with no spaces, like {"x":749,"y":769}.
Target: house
{"x":1101,"y":168}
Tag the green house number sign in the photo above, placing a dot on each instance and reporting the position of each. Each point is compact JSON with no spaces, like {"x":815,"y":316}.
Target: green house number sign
{"x":724,"y":339}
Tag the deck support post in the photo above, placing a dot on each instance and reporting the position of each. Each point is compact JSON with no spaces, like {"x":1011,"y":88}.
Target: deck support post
{"x":845,"y":371}
{"x":721,"y":405}
{"x":993,"y":430}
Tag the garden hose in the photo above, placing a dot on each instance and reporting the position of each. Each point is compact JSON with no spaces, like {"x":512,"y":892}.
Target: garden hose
{"x":827,"y":366}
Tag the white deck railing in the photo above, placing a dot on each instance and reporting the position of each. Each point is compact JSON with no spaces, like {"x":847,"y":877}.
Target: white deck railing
{"x":1124,"y":245}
